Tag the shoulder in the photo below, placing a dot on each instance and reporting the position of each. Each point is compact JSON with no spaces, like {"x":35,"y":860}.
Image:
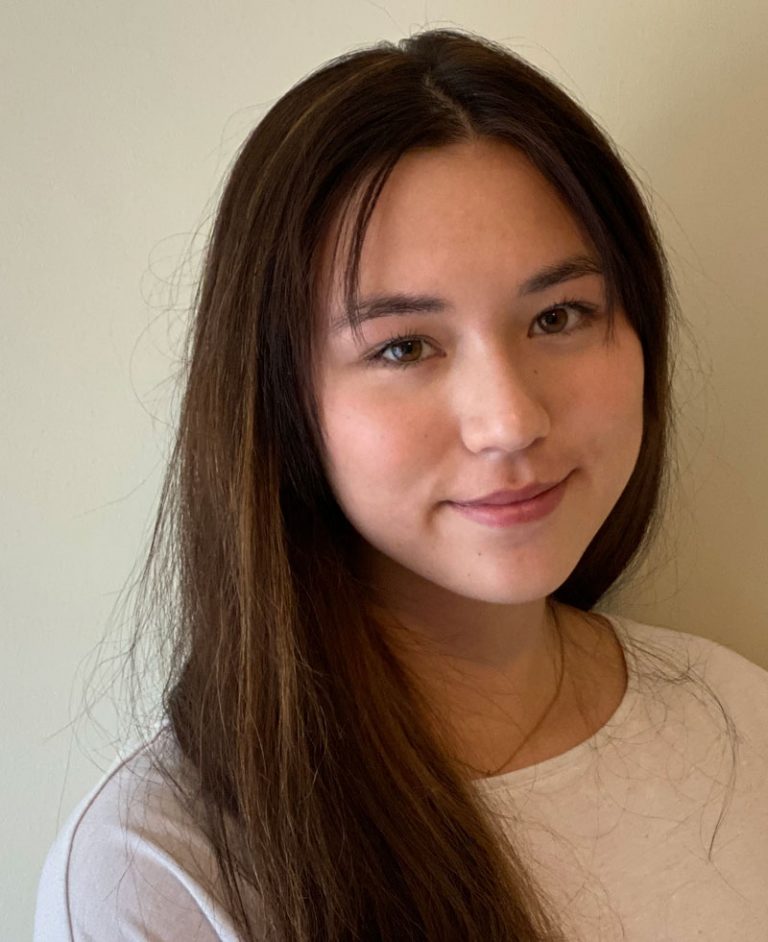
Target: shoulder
{"x":703,"y":654}
{"x":131,"y":863}
{"x":737,"y":685}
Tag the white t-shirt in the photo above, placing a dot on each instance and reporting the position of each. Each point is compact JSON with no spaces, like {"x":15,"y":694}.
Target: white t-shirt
{"x":618,"y":830}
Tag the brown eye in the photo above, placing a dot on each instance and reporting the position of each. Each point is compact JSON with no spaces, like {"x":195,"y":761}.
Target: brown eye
{"x":409,"y":350}
{"x":554,"y":321}
{"x":564,"y":318}
{"x":412,"y":350}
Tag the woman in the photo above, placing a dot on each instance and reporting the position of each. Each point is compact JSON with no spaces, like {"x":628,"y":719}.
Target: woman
{"x":423,"y":433}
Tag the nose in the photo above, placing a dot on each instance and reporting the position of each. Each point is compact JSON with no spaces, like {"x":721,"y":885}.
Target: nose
{"x":502,"y":406}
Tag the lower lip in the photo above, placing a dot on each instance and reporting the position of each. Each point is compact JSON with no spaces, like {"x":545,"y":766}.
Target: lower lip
{"x":523,"y":511}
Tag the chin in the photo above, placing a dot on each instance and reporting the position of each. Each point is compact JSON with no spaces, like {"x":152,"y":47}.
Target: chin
{"x":504,"y":588}
{"x":510,"y":594}
{"x":505,"y":583}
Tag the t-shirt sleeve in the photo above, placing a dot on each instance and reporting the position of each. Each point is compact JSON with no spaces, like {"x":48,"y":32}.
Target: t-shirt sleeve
{"x":130,"y":866}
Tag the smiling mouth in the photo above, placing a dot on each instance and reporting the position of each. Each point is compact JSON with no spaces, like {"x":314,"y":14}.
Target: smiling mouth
{"x":526,"y":505}
{"x":511,"y":496}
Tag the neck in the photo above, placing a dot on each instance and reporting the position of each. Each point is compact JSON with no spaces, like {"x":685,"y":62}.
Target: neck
{"x":491,"y":673}
{"x":436,"y":623}
{"x":506,"y":685}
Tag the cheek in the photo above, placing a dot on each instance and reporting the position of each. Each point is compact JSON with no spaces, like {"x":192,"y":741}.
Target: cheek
{"x":374,"y":448}
{"x":611,"y":406}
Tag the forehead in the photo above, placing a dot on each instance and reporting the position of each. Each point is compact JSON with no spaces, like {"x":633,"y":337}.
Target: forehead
{"x":472,"y":210}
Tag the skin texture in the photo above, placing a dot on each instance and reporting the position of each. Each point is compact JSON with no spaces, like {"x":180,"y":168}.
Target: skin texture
{"x":495,"y":397}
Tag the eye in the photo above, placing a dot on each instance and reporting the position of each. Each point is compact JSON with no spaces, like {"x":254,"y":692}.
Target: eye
{"x":410,"y":346}
{"x":565,"y":317}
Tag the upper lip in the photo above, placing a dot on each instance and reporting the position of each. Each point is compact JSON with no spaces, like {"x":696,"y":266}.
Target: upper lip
{"x":512,"y":496}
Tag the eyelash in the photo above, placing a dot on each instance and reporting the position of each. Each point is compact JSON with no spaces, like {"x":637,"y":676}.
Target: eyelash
{"x":588,"y":313}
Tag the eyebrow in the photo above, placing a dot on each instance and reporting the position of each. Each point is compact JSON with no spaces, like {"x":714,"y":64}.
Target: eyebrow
{"x":384,"y":305}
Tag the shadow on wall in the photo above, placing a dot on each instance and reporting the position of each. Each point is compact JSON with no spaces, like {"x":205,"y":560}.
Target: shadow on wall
{"x":709,"y":156}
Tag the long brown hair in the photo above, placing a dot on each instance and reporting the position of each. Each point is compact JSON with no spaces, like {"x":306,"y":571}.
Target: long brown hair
{"x":323,"y":792}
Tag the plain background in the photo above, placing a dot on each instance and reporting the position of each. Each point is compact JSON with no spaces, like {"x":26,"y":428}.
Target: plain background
{"x":119,"y":121}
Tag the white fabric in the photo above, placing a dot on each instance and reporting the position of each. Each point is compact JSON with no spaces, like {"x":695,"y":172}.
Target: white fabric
{"x":617,"y":830}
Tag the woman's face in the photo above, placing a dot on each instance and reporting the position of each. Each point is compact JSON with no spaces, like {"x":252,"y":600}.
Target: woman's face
{"x":508,"y":379}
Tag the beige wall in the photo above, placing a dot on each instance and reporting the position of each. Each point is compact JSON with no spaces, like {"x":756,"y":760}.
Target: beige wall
{"x":119,"y":121}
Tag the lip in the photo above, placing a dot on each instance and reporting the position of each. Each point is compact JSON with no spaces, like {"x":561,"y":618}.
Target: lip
{"x":510,"y":497}
{"x":537,"y":502}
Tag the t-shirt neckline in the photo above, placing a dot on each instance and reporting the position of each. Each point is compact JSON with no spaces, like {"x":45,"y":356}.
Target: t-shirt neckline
{"x":576,"y":756}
